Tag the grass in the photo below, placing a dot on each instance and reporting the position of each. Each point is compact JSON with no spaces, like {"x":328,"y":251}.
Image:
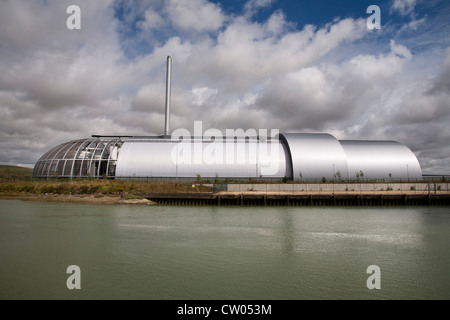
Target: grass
{"x":13,"y":173}
{"x":105,"y":187}
{"x":17,"y":180}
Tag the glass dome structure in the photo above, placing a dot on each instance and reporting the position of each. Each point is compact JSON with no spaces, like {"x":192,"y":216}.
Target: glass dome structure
{"x":92,"y":157}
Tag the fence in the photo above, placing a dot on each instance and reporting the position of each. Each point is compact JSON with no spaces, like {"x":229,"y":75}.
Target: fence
{"x":416,"y":187}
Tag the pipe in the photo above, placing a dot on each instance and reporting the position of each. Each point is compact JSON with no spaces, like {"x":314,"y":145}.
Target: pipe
{"x":167,"y":111}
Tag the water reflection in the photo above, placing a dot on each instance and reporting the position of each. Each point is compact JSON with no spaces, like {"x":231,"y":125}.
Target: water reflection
{"x":222,"y":253}
{"x":288,"y":232}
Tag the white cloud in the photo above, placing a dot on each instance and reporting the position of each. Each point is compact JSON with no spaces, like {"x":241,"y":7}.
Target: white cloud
{"x":201,"y":95}
{"x":277,"y":24}
{"x":197,"y":15}
{"x":400,"y":50}
{"x":404,"y":7}
{"x":447,"y":58}
{"x":414,"y":24}
{"x":152,"y":20}
{"x":252,"y":6}
{"x":57,"y":85}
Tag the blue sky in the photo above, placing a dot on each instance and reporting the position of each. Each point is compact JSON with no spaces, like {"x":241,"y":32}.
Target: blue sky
{"x":432,"y":15}
{"x":296,"y":66}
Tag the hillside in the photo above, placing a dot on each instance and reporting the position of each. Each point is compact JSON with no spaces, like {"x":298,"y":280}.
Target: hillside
{"x":14,"y":173}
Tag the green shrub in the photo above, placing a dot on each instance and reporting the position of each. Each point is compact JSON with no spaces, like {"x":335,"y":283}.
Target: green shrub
{"x":83,"y":189}
{"x":105,"y":189}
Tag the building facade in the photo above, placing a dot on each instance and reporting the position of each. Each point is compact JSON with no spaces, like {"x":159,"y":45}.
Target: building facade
{"x":293,"y":156}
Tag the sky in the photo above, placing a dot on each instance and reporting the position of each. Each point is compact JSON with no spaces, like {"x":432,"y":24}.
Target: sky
{"x":295,"y":66}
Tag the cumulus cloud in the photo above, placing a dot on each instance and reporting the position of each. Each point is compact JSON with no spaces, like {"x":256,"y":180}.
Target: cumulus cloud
{"x":230,"y":71}
{"x":320,"y":96}
{"x":152,"y":20}
{"x":198,"y":15}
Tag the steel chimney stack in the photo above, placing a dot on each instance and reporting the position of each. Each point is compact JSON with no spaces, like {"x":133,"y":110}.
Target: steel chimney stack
{"x":167,"y":112}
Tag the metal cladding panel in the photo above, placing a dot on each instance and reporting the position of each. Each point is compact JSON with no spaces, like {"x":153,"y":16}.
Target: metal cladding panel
{"x":381,"y":160}
{"x":315,"y":156}
{"x":172,"y":159}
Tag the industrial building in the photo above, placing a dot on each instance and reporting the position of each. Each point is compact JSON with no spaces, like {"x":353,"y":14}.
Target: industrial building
{"x":293,"y":156}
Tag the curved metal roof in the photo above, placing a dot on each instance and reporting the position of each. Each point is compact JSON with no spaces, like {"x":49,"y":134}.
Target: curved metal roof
{"x":297,"y":156}
{"x":381,"y":160}
{"x":165,"y":158}
{"x":315,"y":156}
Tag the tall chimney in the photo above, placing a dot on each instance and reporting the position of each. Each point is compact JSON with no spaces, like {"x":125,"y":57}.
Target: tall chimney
{"x":168,"y":73}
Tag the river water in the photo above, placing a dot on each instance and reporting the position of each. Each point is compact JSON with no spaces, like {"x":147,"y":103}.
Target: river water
{"x":165,"y":252}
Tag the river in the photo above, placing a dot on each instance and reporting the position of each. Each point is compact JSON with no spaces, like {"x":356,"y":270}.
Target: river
{"x":176,"y":252}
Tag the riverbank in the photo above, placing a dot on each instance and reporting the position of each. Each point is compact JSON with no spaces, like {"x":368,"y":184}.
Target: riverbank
{"x":80,"y":198}
{"x":91,"y":190}
{"x":197,"y":193}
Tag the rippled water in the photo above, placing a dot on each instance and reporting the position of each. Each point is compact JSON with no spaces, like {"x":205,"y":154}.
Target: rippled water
{"x":158,"y":252}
